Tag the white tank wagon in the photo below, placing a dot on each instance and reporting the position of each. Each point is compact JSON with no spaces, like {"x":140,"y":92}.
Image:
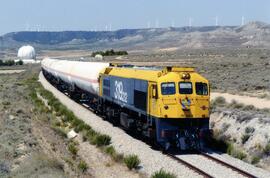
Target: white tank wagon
{"x":83,"y":75}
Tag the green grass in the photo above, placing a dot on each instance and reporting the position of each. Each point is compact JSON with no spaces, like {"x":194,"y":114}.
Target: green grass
{"x":237,"y":153}
{"x":110,"y":150}
{"x":255,"y":159}
{"x":82,"y":166}
{"x":132,"y":161}
{"x":266,"y":150}
{"x":72,"y":148}
{"x":163,"y":174}
{"x":102,"y":140}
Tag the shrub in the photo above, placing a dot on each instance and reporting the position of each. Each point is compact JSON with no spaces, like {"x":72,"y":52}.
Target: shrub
{"x":245,"y":138}
{"x":132,"y":161}
{"x":83,"y":166}
{"x":102,"y":140}
{"x":239,"y":154}
{"x":109,"y":53}
{"x":6,"y":103}
{"x":266,"y":150}
{"x":72,"y":148}
{"x":82,"y":126}
{"x":255,"y":159}
{"x":110,"y":150}
{"x":163,"y":174}
{"x":235,"y":152}
{"x":20,"y":62}
{"x":249,"y":130}
{"x":249,"y":108}
{"x":7,"y":63}
{"x":90,"y":135}
{"x":230,"y":149}
{"x":216,"y":142}
{"x":236,"y":105}
{"x":220,"y":101}
{"x":225,"y":127}
{"x":79,"y":127}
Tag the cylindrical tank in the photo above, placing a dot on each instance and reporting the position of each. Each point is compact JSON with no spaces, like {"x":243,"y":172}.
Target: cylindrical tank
{"x":82,"y":74}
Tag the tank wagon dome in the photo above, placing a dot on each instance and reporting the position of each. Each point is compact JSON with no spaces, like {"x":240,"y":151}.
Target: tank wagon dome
{"x":27,"y":52}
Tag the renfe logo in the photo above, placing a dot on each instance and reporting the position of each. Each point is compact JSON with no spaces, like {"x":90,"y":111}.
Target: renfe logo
{"x":119,"y":91}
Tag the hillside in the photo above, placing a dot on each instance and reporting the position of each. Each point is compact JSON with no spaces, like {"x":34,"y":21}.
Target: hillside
{"x":255,"y":34}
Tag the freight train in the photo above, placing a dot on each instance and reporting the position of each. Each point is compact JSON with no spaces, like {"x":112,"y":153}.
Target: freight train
{"x":168,"y":105}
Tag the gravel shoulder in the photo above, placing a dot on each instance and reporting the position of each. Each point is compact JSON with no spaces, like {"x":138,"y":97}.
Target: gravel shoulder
{"x":247,"y":100}
{"x":151,"y":160}
{"x":100,"y":164}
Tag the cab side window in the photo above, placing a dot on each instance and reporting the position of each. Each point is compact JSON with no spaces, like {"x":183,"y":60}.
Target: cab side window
{"x":201,"y":89}
{"x":168,"y":88}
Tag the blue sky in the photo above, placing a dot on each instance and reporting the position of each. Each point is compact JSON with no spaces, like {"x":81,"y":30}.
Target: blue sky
{"x":17,"y":15}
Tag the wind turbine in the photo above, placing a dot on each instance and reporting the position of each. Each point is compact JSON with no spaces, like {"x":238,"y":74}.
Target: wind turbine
{"x":110,"y":27}
{"x":157,"y":23}
{"x":216,"y":21}
{"x":172,"y":23}
{"x":190,"y":21}
{"x":243,"y":21}
{"x":148,"y":24}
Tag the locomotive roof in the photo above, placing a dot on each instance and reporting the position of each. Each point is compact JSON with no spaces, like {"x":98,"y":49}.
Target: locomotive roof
{"x":144,"y":73}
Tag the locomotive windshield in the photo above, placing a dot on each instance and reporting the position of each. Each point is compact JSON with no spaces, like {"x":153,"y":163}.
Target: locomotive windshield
{"x":168,"y":88}
{"x":185,"y":87}
{"x":201,"y":89}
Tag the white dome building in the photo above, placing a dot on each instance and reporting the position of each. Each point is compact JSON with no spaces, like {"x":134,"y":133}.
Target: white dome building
{"x":27,"y":52}
{"x":99,"y":57}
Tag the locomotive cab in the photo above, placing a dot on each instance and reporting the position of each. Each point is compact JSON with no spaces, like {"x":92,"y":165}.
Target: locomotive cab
{"x":183,"y":112}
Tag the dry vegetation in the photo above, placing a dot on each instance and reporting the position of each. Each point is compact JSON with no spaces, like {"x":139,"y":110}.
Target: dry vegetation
{"x":21,"y":152}
{"x":242,"y":131}
{"x":33,"y":134}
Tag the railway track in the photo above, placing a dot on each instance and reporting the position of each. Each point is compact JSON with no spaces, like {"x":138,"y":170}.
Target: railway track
{"x":236,"y":169}
{"x":190,"y":166}
{"x":216,"y":160}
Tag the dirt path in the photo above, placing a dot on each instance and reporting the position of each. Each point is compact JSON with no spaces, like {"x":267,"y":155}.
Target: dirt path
{"x":247,"y":100}
{"x":10,"y":71}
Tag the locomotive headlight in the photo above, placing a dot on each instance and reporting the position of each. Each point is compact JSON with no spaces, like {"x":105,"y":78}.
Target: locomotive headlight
{"x":185,"y":76}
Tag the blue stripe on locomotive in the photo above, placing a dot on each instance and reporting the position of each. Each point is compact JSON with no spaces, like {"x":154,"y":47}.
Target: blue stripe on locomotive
{"x":127,"y":92}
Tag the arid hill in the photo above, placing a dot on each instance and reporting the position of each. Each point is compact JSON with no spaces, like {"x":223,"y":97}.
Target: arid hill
{"x":253,"y":34}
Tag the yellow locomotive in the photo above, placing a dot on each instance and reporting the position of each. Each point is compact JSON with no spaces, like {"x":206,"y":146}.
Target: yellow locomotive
{"x":169,"y":105}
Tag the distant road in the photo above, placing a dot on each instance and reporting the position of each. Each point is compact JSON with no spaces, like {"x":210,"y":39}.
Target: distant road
{"x":247,"y":100}
{"x":10,"y":71}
